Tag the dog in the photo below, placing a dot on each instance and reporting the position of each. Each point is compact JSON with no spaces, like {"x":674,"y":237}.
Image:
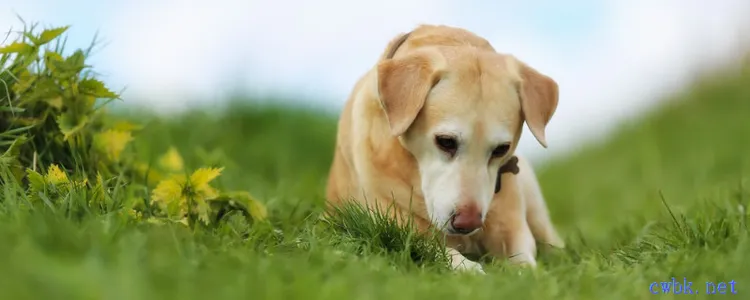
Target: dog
{"x":431,"y":130}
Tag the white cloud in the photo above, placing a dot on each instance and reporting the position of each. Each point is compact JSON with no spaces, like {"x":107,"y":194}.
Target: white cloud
{"x":310,"y":47}
{"x":645,"y":50}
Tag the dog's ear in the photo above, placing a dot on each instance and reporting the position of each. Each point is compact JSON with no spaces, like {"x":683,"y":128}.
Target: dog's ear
{"x":403,"y":86}
{"x":539,"y":96}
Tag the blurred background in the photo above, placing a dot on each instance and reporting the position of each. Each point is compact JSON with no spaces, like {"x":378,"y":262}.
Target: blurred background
{"x":612,"y":59}
{"x":640,"y":190}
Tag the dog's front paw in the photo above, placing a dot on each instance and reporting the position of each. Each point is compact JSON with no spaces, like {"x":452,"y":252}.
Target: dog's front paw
{"x":462,"y":264}
{"x":466,"y":265}
{"x":523,"y":259}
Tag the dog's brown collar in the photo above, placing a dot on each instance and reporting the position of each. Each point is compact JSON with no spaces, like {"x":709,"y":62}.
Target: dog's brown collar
{"x":398,"y":44}
{"x":509,"y":167}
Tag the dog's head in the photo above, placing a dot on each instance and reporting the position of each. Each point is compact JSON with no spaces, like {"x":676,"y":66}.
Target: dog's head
{"x":460,"y":112}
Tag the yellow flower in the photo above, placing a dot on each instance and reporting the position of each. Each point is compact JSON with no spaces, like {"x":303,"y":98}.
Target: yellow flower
{"x":168,"y":193}
{"x":56,"y":102}
{"x":178,"y":193}
{"x":145,"y":171}
{"x":135,"y":215}
{"x":255,"y":208}
{"x":126,"y":126}
{"x":112,"y":142}
{"x":172,"y":161}
{"x":55,"y":175}
{"x":199,"y":181}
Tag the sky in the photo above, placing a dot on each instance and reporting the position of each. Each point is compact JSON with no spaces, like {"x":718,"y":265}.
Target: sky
{"x":612,"y":59}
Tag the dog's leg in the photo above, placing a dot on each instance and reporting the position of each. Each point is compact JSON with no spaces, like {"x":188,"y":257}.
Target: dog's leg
{"x":521,"y":247}
{"x":461,"y":263}
{"x":512,"y":238}
{"x":506,"y":231}
{"x":537,"y":213}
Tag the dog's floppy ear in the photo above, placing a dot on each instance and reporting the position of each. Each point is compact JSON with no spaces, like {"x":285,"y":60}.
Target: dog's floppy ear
{"x":403,"y":86}
{"x":539,"y":96}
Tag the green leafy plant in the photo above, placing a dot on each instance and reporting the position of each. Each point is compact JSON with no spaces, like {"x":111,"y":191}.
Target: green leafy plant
{"x":56,"y":138}
{"x":49,"y":104}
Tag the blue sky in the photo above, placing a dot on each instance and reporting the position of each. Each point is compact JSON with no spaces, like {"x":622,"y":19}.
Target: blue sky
{"x":565,"y":24}
{"x":612,"y":59}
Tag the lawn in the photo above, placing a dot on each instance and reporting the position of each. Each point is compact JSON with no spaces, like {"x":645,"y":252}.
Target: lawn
{"x":663,"y":197}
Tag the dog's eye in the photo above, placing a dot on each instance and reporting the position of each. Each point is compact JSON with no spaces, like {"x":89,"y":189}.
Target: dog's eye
{"x":447,"y":143}
{"x":500,"y":150}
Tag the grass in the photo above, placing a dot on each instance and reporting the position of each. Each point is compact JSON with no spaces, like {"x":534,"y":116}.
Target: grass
{"x":664,"y":197}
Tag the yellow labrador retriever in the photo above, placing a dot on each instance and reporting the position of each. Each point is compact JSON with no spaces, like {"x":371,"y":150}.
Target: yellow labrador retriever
{"x":433,"y":128}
